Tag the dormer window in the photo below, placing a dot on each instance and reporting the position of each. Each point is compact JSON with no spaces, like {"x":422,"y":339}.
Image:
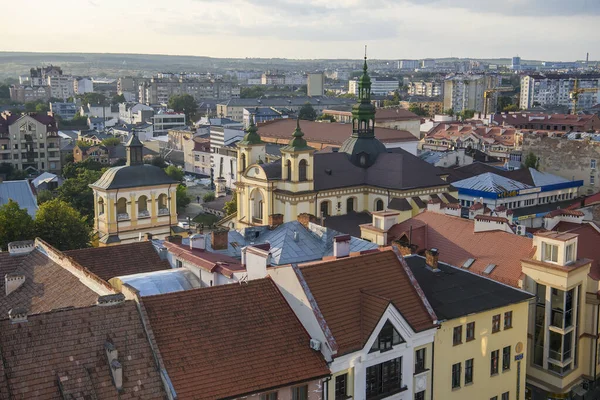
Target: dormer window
{"x":570,"y":253}
{"x":387,"y":338}
{"x":549,"y":252}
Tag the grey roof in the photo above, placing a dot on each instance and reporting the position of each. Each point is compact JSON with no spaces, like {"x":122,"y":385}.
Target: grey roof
{"x":218,"y":203}
{"x":160,"y":282}
{"x":490,"y":182}
{"x":454,"y":293}
{"x":349,"y":223}
{"x":273,"y":169}
{"x":287,"y":101}
{"x":132,"y":176}
{"x":19,"y":191}
{"x":544,"y":178}
{"x":431,"y":157}
{"x":44,"y":178}
{"x":399,"y":204}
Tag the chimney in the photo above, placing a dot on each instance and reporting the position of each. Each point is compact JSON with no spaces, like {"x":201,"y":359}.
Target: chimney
{"x":256,"y":261}
{"x":12,"y":282}
{"x":431,"y":259}
{"x":306,"y":218}
{"x":404,"y":248}
{"x":220,"y":239}
{"x":198,"y":242}
{"x":275,"y":220}
{"x":116,"y":370}
{"x":17,"y":315}
{"x":174,"y":239}
{"x":21,"y":248}
{"x":148,"y":237}
{"x":434,"y":205}
{"x":111,"y":299}
{"x":341,"y":246}
{"x":453,"y":209}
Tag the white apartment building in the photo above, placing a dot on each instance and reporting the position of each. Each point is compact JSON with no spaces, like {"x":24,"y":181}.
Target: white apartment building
{"x":409,"y":64}
{"x":83,"y":85}
{"x":315,"y":84}
{"x":379,"y":86}
{"x":555,"y":89}
{"x":422,"y":88}
{"x":465,"y":92}
{"x":163,"y":121}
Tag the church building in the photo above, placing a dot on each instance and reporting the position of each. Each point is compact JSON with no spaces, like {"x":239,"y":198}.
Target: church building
{"x":362,"y":175}
{"x":134,"y":200}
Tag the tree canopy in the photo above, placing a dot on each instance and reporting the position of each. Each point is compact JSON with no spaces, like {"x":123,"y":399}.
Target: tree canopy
{"x":210,"y":196}
{"x":532,"y":161}
{"x":307,"y":112}
{"x":118,"y":98}
{"x":111,"y":141}
{"x":252,"y":92}
{"x":175,"y":173}
{"x":12,"y":173}
{"x":44,"y":196}
{"x":416,"y":109}
{"x":62,"y":226}
{"x":183,"y":199}
{"x":77,"y":192}
{"x":230,"y":207}
{"x":15,"y":224}
{"x":184,"y":103}
{"x":93,"y":98}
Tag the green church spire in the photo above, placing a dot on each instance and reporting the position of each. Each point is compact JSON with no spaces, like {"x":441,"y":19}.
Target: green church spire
{"x":298,"y":142}
{"x":252,"y":136}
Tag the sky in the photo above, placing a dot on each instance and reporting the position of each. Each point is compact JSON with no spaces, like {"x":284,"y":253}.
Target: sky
{"x":309,"y":29}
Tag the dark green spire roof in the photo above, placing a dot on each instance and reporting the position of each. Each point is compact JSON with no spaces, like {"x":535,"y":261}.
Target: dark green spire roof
{"x":298,"y":142}
{"x":252,"y":136}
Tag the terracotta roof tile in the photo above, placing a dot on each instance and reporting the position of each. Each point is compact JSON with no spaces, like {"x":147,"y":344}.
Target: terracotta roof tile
{"x":556,"y":213}
{"x":456,"y":241}
{"x":210,"y":261}
{"x":341,"y":296}
{"x":69,"y":345}
{"x":246,"y":340}
{"x":125,"y":259}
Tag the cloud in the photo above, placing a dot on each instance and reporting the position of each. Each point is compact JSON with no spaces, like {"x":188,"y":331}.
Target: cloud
{"x":519,"y":8}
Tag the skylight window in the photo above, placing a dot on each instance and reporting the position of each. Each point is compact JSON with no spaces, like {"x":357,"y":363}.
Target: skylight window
{"x":468,"y":263}
{"x":488,"y":270}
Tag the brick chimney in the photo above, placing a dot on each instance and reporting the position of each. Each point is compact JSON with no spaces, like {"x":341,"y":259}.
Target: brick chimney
{"x":431,"y":258}
{"x":404,"y":248}
{"x":453,"y":209}
{"x":111,"y":299}
{"x":174,"y":239}
{"x":275,"y":220}
{"x":219,"y":239}
{"x":434,"y":205}
{"x":305,"y":218}
{"x":198,"y":242}
{"x":21,"y":248}
{"x":341,"y":246}
{"x":17,"y":315}
{"x":12,"y":282}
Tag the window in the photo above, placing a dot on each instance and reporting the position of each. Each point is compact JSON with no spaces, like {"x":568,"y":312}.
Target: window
{"x":100,"y":206}
{"x":300,"y":393}
{"x":350,"y":205}
{"x":384,"y":379}
{"x":288,"y":170}
{"x":570,"y":253}
{"x":549,"y":252}
{"x":269,"y":396}
{"x":496,"y":323}
{"x":457,"y":335}
{"x":539,"y":328}
{"x":302,"y":171}
{"x":494,"y":398}
{"x":593,"y":163}
{"x":178,"y":264}
{"x":143,"y":206}
{"x":469,"y":371}
{"x":243,"y":162}
{"x":508,"y":320}
{"x":456,"y":376}
{"x":470,"y":331}
{"x":388,"y":337}
{"x":341,"y":383}
{"x":494,"y":362}
{"x":325,"y":208}
{"x":420,"y":395}
{"x":379,"y":205}
{"x":505,"y":396}
{"x":506,"y":358}
{"x":122,"y":206}
{"x":419,"y":361}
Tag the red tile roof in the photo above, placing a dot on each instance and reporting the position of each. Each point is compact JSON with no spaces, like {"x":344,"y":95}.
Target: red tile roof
{"x":557,"y":212}
{"x":211,"y":262}
{"x":456,"y":241}
{"x":246,"y":339}
{"x":324,"y":133}
{"x":489,"y":134}
{"x":587,"y":243}
{"x":68,"y":345}
{"x":352,"y":306}
{"x":124,"y":259}
{"x":490,"y":218}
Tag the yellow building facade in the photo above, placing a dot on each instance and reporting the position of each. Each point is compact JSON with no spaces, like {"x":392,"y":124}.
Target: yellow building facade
{"x":134,"y":200}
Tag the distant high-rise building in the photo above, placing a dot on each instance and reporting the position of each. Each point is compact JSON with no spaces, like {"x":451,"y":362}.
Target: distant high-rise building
{"x":408,"y":64}
{"x":465,"y":92}
{"x":516,"y":63}
{"x":315,"y":84}
{"x":428,"y":63}
{"x":555,"y":89}
{"x":379,"y":86}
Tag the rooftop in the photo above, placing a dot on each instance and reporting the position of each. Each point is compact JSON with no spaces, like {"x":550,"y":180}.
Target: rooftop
{"x":346,"y":302}
{"x":20,"y":192}
{"x":132,"y":176}
{"x":455,"y":292}
{"x":254,"y":340}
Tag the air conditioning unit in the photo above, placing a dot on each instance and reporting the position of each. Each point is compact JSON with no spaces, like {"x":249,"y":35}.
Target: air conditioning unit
{"x":315,"y":344}
{"x":521,"y":230}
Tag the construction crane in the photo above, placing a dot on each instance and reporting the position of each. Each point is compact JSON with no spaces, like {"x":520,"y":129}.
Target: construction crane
{"x":488,"y":93}
{"x":574,"y":94}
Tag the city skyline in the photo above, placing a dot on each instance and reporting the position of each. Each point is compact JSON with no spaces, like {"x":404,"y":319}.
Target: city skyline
{"x":312,"y":30}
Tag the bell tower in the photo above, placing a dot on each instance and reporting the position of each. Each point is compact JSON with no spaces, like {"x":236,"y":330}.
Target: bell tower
{"x":251,"y":149}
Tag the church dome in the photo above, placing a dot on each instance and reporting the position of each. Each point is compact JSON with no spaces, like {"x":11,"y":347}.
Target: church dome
{"x":132,"y":176}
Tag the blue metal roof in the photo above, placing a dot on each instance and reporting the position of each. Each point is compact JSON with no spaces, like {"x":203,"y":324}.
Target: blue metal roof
{"x":19,"y":191}
{"x":161,"y":282}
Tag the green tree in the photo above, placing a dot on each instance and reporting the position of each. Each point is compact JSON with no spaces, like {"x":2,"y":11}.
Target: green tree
{"x":69,"y":158}
{"x":158,"y":161}
{"x":416,"y":109}
{"x":466,"y":114}
{"x":175,"y":173}
{"x":184,"y":103}
{"x":183,"y":199}
{"x":449,"y":112}
{"x":252,"y":92}
{"x":118,"y":98}
{"x":62,"y":226}
{"x":347,"y":96}
{"x":39,"y":106}
{"x":210,"y":196}
{"x":303,"y":89}
{"x":230,"y":206}
{"x":111,"y":141}
{"x":11,"y":173}
{"x":532,"y":161}
{"x":326,"y":117}
{"x":93,"y":98}
{"x":78,"y":194}
{"x":15,"y":224}
{"x":503,"y":102}
{"x":44,"y":196}
{"x":4,"y":92}
{"x":42,"y":108}
{"x":307,"y":112}
{"x":511,"y":107}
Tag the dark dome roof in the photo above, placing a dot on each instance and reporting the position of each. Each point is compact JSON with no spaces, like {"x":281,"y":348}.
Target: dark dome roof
{"x":132,"y":176}
{"x":363,"y":151}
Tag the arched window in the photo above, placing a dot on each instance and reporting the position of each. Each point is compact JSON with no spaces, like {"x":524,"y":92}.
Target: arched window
{"x":162,"y":204}
{"x":325,"y":207}
{"x":100,"y":206}
{"x":350,"y":205}
{"x":378,"y":205}
{"x":143,"y":206}
{"x":302,"y":170}
{"x":288,"y":170}
{"x":257,"y":206}
{"x":243,"y":162}
{"x":122,"y":209}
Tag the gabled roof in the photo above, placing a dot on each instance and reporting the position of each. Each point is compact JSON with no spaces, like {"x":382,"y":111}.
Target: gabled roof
{"x":246,"y":339}
{"x":20,"y":192}
{"x":491,"y":183}
{"x":132,"y":176}
{"x":455,"y":292}
{"x":125,"y":259}
{"x":339,"y":287}
{"x":456,"y":240}
{"x":67,"y":346}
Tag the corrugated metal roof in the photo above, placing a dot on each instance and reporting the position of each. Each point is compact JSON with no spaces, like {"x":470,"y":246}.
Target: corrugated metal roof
{"x":21,"y":192}
{"x":490,"y":182}
{"x":161,"y":282}
{"x":543,"y":179}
